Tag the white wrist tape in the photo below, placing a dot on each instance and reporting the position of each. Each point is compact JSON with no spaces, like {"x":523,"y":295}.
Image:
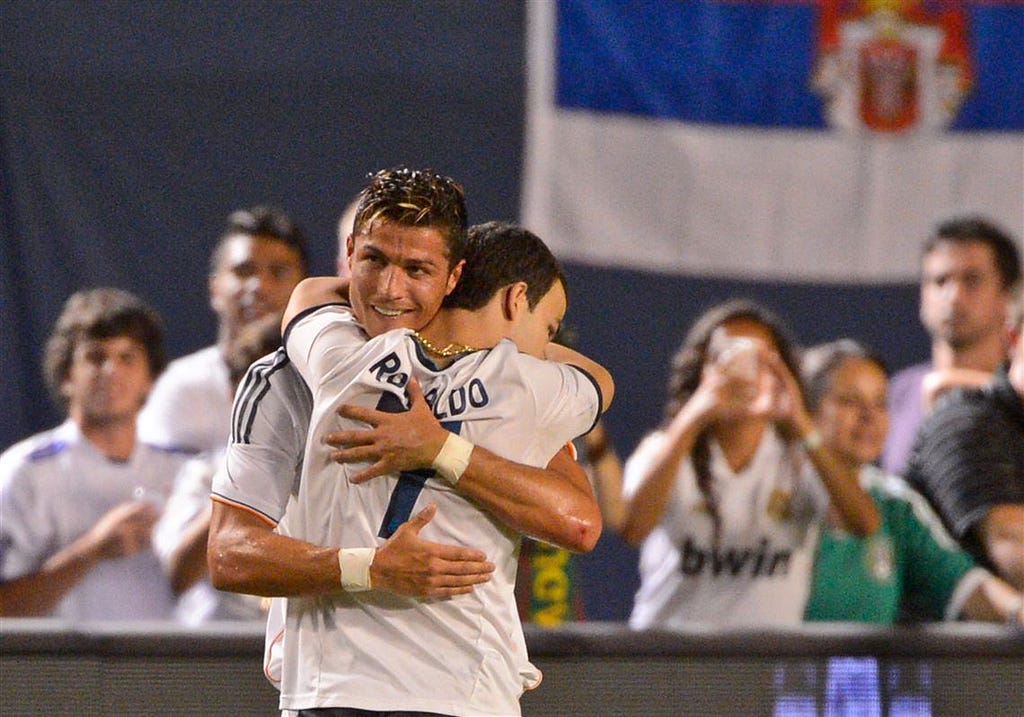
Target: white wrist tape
{"x":451,"y":461}
{"x":355,"y":568}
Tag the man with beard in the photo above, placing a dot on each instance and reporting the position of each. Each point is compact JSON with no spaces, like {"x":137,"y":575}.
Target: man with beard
{"x":968,"y":460}
{"x":968,"y":270}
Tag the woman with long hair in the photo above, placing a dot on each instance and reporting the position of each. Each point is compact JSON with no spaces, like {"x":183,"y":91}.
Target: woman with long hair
{"x":726,"y":497}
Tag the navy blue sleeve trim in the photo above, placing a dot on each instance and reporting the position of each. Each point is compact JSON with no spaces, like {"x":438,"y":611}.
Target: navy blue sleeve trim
{"x":597,"y":388}
{"x":251,"y":391}
{"x":50,"y":449}
{"x":176,"y":449}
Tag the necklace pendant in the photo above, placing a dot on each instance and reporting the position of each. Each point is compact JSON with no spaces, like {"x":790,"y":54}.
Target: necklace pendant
{"x":447,"y":351}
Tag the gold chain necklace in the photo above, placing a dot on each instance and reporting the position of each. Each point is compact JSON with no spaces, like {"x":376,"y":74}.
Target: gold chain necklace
{"x":444,"y":352}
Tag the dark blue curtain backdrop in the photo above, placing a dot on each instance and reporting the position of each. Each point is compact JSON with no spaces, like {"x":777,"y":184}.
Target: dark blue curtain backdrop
{"x":129,"y":130}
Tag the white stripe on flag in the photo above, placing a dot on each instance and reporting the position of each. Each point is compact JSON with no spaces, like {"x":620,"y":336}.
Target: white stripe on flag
{"x":662,"y":195}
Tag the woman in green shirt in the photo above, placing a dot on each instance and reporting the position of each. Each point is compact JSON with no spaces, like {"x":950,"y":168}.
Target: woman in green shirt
{"x":910,"y":565}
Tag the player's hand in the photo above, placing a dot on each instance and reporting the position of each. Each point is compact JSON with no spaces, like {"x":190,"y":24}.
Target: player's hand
{"x":125,"y":529}
{"x":408,"y":565}
{"x":394,"y":442}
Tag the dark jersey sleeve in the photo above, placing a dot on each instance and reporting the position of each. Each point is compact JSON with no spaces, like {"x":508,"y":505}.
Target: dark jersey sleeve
{"x":965,"y":460}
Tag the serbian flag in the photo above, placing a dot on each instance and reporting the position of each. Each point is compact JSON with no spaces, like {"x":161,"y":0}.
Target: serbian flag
{"x":803,"y":141}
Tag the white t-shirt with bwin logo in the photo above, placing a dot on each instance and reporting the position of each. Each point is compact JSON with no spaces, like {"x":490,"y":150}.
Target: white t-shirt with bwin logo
{"x":759,"y":571}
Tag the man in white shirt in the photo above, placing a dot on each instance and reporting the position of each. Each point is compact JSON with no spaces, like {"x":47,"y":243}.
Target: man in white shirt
{"x":257,"y":262}
{"x":402,"y":267}
{"x":78,"y":502}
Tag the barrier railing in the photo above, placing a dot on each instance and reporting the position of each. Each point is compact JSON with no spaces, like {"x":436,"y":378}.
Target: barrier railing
{"x":600,"y":669}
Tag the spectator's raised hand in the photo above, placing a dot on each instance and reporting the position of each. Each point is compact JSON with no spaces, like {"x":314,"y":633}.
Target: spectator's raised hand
{"x":125,"y":529}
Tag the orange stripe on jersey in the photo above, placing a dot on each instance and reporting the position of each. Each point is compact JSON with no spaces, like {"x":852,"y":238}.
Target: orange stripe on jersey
{"x":571,"y":447}
{"x":272,"y":661}
{"x":241,"y":506}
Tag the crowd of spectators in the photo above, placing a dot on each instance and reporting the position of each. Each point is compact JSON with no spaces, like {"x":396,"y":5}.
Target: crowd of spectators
{"x":785,"y":483}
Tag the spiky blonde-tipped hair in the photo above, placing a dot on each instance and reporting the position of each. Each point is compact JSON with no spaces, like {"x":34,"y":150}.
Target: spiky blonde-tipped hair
{"x":416,"y":198}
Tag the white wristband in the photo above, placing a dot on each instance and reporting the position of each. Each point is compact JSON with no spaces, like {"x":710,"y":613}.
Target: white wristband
{"x":355,"y":568}
{"x":451,"y":461}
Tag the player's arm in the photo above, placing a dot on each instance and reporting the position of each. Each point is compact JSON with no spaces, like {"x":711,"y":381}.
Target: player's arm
{"x":247,"y":556}
{"x":601,"y":375}
{"x":315,"y":291}
{"x":123,"y":531}
{"x":554,"y":504}
{"x":1001,"y":532}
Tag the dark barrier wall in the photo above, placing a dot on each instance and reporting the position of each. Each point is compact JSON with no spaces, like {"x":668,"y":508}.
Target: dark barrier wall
{"x":129,"y":130}
{"x":597,"y":670}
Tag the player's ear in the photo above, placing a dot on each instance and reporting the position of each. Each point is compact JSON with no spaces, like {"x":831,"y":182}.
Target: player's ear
{"x":514,"y":300}
{"x":453,"y":276}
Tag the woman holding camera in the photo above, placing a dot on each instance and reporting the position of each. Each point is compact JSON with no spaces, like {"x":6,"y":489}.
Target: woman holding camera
{"x":726,"y":498}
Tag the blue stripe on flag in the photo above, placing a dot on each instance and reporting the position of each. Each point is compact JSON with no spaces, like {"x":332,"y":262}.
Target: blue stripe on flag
{"x":748,"y":63}
{"x":997,"y":100}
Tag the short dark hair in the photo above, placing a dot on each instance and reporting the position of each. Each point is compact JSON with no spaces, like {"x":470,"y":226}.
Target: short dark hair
{"x":499,"y":254}
{"x":264,"y":221}
{"x":102,"y":313}
{"x":417,"y":198}
{"x":974,"y":227}
{"x":819,"y":362}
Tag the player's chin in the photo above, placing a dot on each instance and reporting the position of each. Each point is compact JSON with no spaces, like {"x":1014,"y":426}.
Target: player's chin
{"x":380,"y":323}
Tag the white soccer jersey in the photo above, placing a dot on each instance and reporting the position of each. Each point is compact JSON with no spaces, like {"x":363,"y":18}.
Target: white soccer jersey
{"x":189,"y":498}
{"x":269,"y":424}
{"x":760,"y":571}
{"x":54,"y":487}
{"x":189,"y":408}
{"x":378,"y":651}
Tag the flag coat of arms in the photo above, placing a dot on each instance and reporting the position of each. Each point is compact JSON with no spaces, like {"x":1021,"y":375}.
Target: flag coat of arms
{"x":793,"y":141}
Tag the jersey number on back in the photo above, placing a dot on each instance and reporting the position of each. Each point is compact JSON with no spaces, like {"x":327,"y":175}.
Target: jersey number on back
{"x":410,"y":483}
